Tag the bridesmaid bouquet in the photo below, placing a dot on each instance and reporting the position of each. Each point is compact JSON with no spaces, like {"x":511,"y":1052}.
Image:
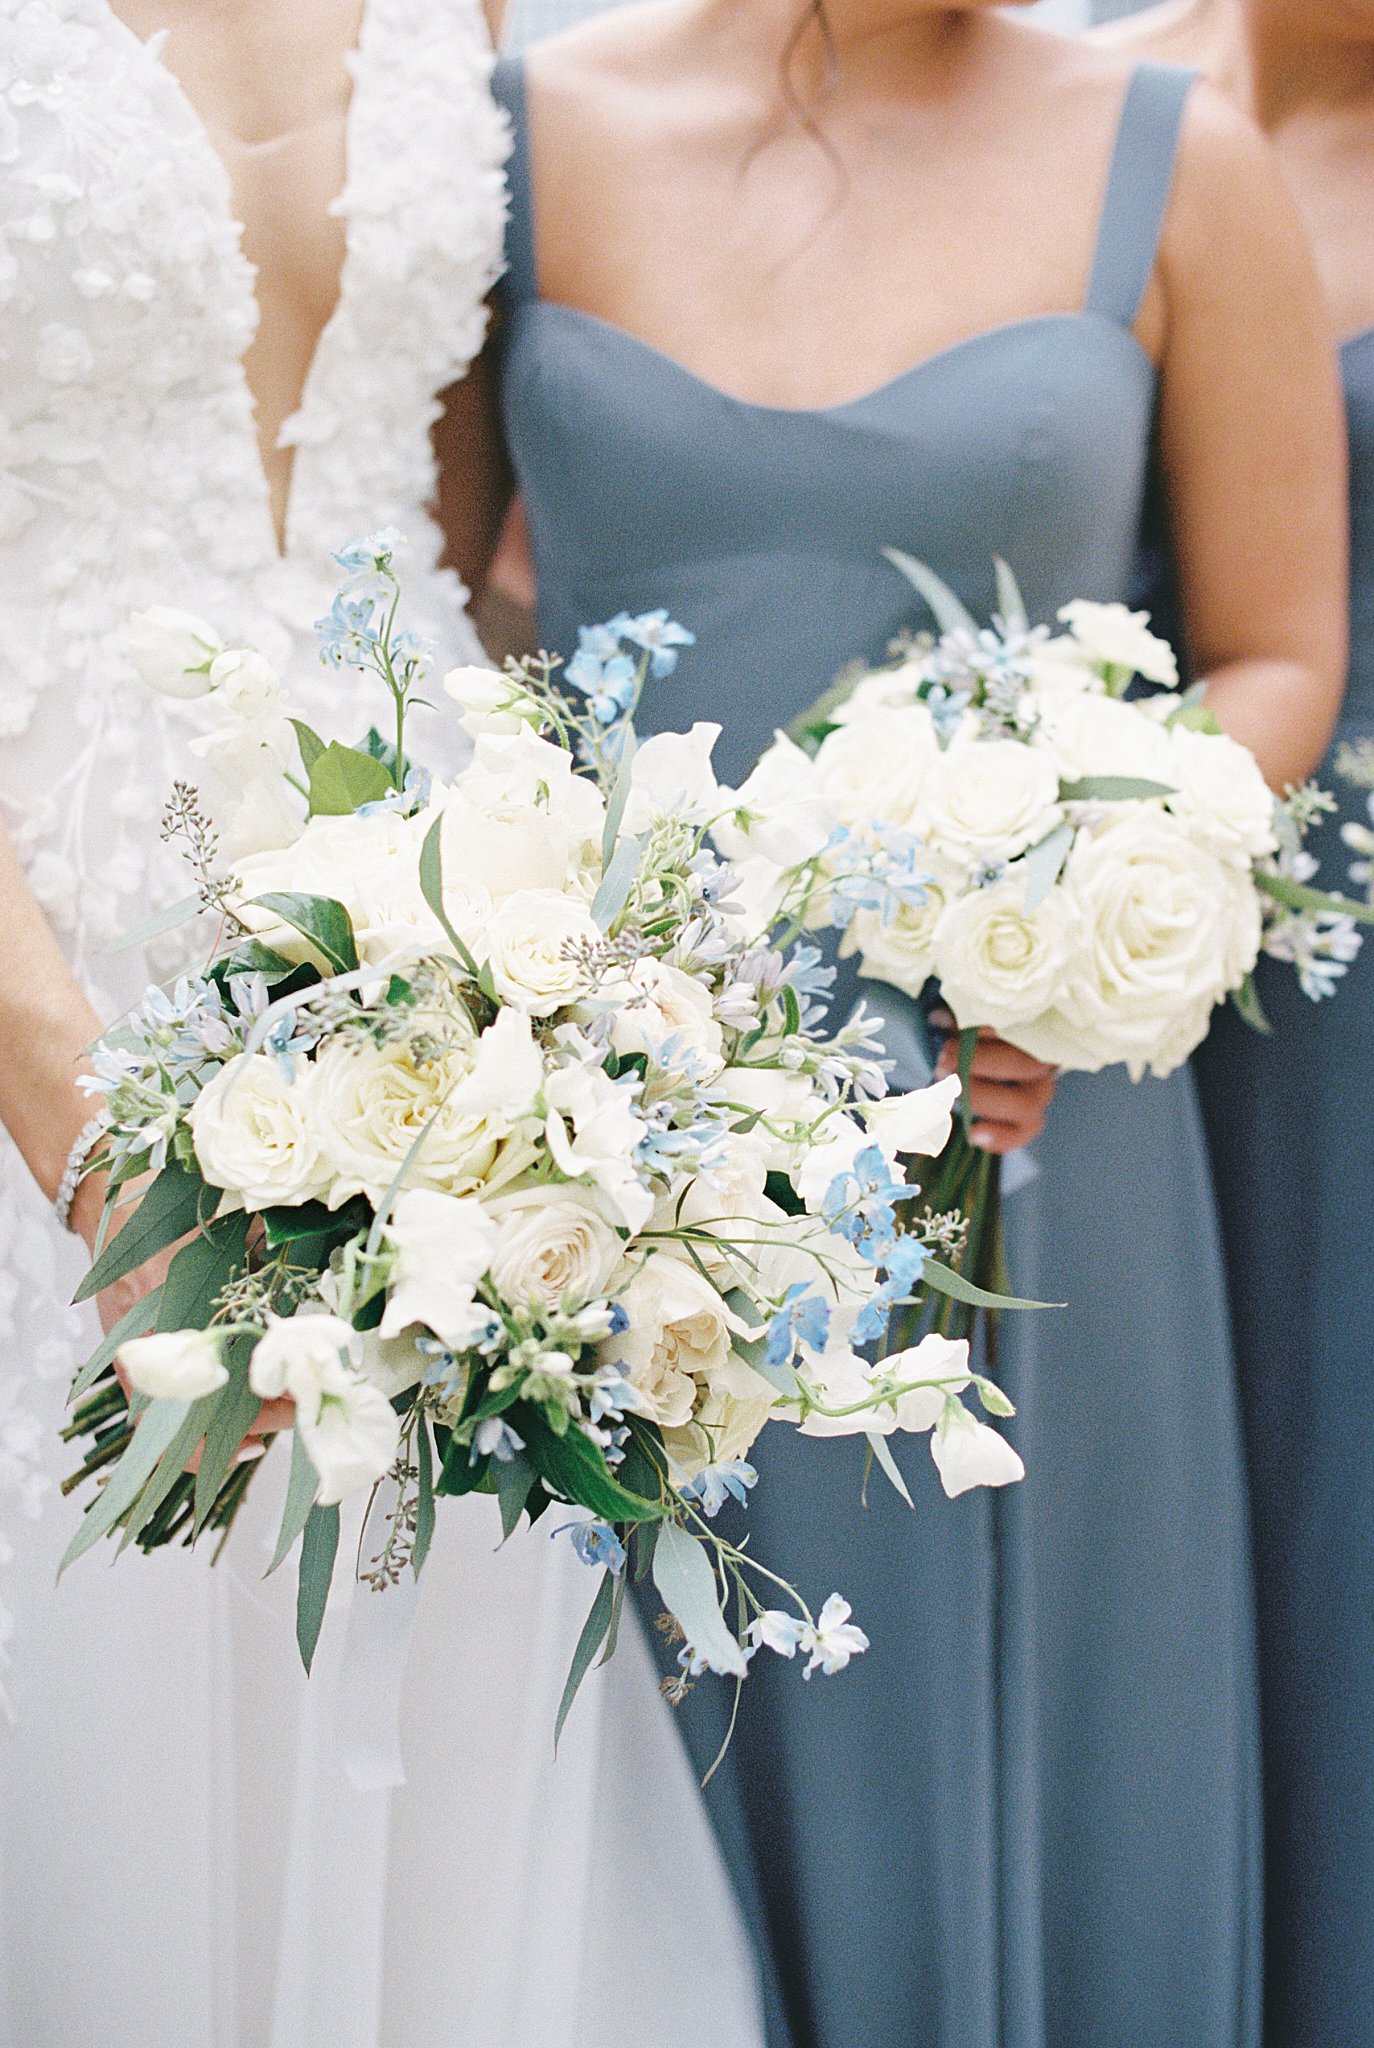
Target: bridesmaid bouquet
{"x":1087,"y":874}
{"x":500,"y":1132}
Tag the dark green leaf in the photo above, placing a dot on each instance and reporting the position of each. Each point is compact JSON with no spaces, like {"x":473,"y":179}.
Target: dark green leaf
{"x":320,"y":919}
{"x":1112,"y":789}
{"x":318,"y":1549}
{"x":235,"y":1413}
{"x":573,"y":1467}
{"x":198,"y":1272}
{"x":968,"y":1046}
{"x":588,"y":1643}
{"x":342,"y":779}
{"x":1249,"y":1007}
{"x":169,"y":1209}
{"x":313,"y":1219}
{"x":459,"y":1473}
{"x":135,"y":1322}
{"x":514,"y":1477}
{"x":424,"y":1506}
{"x":300,"y":1499}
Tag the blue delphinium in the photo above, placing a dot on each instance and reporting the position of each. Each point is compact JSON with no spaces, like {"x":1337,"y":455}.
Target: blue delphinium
{"x":596,"y":1543}
{"x":659,"y":636}
{"x":801,"y":1318}
{"x":348,"y":636}
{"x":719,"y":1483}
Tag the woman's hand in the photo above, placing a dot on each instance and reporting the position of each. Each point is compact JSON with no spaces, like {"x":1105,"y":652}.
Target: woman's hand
{"x":1009,"y":1091}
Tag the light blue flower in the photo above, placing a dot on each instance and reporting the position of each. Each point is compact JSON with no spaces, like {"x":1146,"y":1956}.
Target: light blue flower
{"x":660,"y":637}
{"x":903,"y":1261}
{"x":719,"y":1483}
{"x":372,"y":551}
{"x":414,"y":797}
{"x":494,"y":1438}
{"x":596,"y":1543}
{"x":802,"y":1318}
{"x":859,"y":1204}
{"x":612,"y":1393}
{"x":347,"y":637}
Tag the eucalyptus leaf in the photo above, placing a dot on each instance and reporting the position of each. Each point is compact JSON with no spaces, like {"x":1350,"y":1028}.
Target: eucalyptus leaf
{"x":160,"y":1422}
{"x":1249,"y":1007}
{"x":432,"y":889}
{"x":198,"y":1272}
{"x":968,"y":1046}
{"x":171,"y":1466}
{"x":178,"y":913}
{"x":342,"y":779}
{"x":135,"y":1322}
{"x":320,"y":919}
{"x":950,"y":614}
{"x":301,"y":1489}
{"x":1011,"y":605}
{"x":319,"y":1548}
{"x":946,"y":1281}
{"x":1112,"y":789}
{"x":1043,"y":865}
{"x":235,"y":1413}
{"x":168,"y":1209}
{"x":588,"y":1643}
{"x":1297,"y":896}
{"x":514,"y":1478}
{"x":424,"y":1505}
{"x":616,"y":884}
{"x":617,"y":1609}
{"x":687,"y":1584}
{"x":619,"y":797}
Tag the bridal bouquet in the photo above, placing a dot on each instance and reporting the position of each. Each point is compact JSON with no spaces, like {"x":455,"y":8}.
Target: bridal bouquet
{"x":1085,"y":873}
{"x":501,"y":1134}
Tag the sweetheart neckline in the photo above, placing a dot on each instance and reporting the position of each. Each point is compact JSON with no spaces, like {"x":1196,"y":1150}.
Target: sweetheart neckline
{"x":1003,"y":331}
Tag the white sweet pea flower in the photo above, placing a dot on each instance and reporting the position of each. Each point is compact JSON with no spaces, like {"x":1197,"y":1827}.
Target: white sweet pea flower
{"x":787,"y":1105}
{"x":443,"y":1245}
{"x":490,"y":702}
{"x":594,"y":1131}
{"x":671,"y":777}
{"x":348,"y":1428}
{"x":919,"y":1121}
{"x":166,"y":647}
{"x":257,"y":1133}
{"x":175,"y":1365}
{"x":779,"y":814}
{"x":943,"y":1361}
{"x":841,"y":1141}
{"x":842,"y":1379}
{"x":1120,"y":638}
{"x":507,"y":1071}
{"x":967,"y":1453}
{"x":727,"y":1203}
{"x":834,"y":1639}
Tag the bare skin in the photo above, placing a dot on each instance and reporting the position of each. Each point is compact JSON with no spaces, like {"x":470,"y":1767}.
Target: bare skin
{"x":950,"y":182}
{"x":1304,"y":69}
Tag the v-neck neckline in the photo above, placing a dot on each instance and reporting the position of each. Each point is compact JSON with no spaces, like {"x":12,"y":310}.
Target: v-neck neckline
{"x":151,"y":51}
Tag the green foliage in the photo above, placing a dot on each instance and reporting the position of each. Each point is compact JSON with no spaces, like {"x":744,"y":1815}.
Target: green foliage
{"x":320,"y":919}
{"x":572,"y":1467}
{"x":594,"y":1632}
{"x":319,"y":1548}
{"x":342,"y":780}
{"x":167,"y":1211}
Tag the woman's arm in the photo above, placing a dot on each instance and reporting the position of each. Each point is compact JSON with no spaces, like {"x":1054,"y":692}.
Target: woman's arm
{"x":1254,"y":447}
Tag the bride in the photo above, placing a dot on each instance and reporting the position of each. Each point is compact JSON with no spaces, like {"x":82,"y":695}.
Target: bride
{"x":194,"y":412}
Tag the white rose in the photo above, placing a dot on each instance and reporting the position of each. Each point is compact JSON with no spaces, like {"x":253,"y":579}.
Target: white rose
{"x":1221,"y":793}
{"x":257,"y":1133}
{"x":677,"y":1353}
{"x":175,"y":1365}
{"x":1166,"y":928}
{"x":883,"y":689}
{"x":167,"y":647}
{"x":967,"y":1453}
{"x":786,"y":1106}
{"x":554,"y":1249}
{"x":998,"y":963}
{"x":671,"y":777}
{"x":443,"y":1246}
{"x":900,"y":949}
{"x":988,"y":798}
{"x":873,"y":770}
{"x":779,"y":814}
{"x":1121,"y":639}
{"x":489,"y":702}
{"x":347,"y":1426}
{"x":530,"y":943}
{"x":654,"y":1003}
{"x":594,"y":1131}
{"x":1059,"y":666}
{"x":1101,"y":736}
{"x":518,"y":817}
{"x":373,"y":1103}
{"x":369,"y":864}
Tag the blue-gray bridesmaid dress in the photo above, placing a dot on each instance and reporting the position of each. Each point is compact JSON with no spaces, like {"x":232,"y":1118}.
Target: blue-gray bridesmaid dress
{"x":1291,"y":1124}
{"x":1025,"y":1818}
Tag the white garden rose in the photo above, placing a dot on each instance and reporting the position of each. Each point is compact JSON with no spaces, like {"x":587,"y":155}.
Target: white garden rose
{"x":988,"y":799}
{"x":372,"y":1104}
{"x":653,"y":1004}
{"x":518,"y":817}
{"x":166,"y":647}
{"x":175,"y":1365}
{"x":257,"y":1132}
{"x":779,"y":814}
{"x":1119,"y":638}
{"x":1058,"y":667}
{"x":369,"y":864}
{"x":901,"y":949}
{"x":677,"y":1353}
{"x":998,"y":963}
{"x":531,"y":943}
{"x":1221,"y":794}
{"x":1101,"y":736}
{"x":555,"y":1248}
{"x":884,"y":689}
{"x":347,"y":1426}
{"x":725,"y":1202}
{"x":873,"y":771}
{"x":1166,"y":928}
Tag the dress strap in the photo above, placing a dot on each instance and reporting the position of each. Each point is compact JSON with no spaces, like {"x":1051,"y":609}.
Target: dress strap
{"x":1138,"y":188}
{"x":521,"y":280}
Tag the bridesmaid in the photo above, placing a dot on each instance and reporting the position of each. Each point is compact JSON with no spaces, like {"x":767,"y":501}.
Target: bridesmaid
{"x":784,"y":289}
{"x":1291,"y":1123}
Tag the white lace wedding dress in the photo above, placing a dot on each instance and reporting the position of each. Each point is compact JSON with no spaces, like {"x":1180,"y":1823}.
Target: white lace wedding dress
{"x":184,"y":1861}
